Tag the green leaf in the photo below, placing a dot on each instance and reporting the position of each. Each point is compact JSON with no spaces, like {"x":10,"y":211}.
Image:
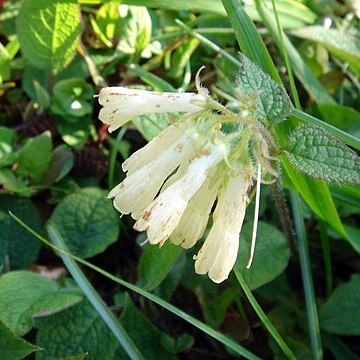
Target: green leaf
{"x":318,"y":154}
{"x":144,"y":334}
{"x":62,"y":161}
{"x":344,"y":46}
{"x":35,"y":156}
{"x":272,"y":102}
{"x":48,"y":32}
{"x":12,"y":347}
{"x":4,"y":64}
{"x":151,"y":125}
{"x":75,"y":134}
{"x":79,"y":329}
{"x":71,"y":97}
{"x":107,"y":22}
{"x":177,"y":345}
{"x":42,"y":96}
{"x":181,"y":58}
{"x":134,"y":31}
{"x":341,"y":313}
{"x":18,"y":249}
{"x":271,"y":256}
{"x":354,"y":237}
{"x":87,"y":222}
{"x":155,"y":263}
{"x":24,"y":294}
{"x":13,"y":184}
{"x":7,"y":144}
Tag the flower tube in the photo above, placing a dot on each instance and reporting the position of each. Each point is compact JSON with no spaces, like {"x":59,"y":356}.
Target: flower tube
{"x":121,"y":104}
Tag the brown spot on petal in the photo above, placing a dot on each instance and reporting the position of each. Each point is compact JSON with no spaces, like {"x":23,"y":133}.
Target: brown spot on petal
{"x":146,"y":215}
{"x":179,"y":148}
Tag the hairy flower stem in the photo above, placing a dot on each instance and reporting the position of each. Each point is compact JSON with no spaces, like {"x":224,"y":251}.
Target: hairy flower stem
{"x":283,"y":211}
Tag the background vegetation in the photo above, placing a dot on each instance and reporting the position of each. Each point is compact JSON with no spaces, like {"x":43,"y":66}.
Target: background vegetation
{"x":57,"y":163}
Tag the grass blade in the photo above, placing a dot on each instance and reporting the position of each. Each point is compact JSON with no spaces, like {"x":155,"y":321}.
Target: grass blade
{"x":302,"y":71}
{"x":264,"y":319}
{"x":96,"y":301}
{"x":311,"y":309}
{"x":248,"y":38}
{"x":238,"y":349}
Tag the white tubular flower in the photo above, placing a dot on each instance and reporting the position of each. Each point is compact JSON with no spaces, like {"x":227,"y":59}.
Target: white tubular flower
{"x":139,"y":189}
{"x":153,"y":149}
{"x":195,"y":218}
{"x":218,"y":254}
{"x":121,"y":104}
{"x":163,"y":215}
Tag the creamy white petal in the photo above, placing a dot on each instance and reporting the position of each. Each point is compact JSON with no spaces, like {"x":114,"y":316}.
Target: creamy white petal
{"x":121,"y":104}
{"x":218,"y":254}
{"x":195,"y":218}
{"x":161,"y":217}
{"x":139,"y":189}
{"x":153,"y":149}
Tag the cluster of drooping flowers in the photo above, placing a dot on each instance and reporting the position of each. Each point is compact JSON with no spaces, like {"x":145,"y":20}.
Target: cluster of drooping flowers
{"x":206,"y":159}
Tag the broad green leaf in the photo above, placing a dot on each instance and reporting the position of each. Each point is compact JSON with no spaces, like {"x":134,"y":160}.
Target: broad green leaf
{"x":32,"y":74}
{"x":48,"y":32}
{"x":18,"y":249}
{"x":87,"y":222}
{"x":74,"y":134}
{"x":155,"y":263}
{"x":7,"y":144}
{"x":341,"y":313}
{"x":24,"y":294}
{"x":4,"y":64}
{"x":14,"y":184}
{"x":344,"y":46}
{"x":151,"y":125}
{"x":144,"y":334}
{"x":320,"y":155}
{"x":77,"y":330}
{"x":35,"y":156}
{"x":42,"y":96}
{"x":272,"y":102}
{"x":271,"y":257}
{"x":134,"y":30}
{"x":12,"y":347}
{"x":71,"y":97}
{"x":62,"y":161}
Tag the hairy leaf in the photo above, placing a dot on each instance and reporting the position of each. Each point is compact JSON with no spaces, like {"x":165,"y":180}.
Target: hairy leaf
{"x":272,"y":102}
{"x":320,"y":155}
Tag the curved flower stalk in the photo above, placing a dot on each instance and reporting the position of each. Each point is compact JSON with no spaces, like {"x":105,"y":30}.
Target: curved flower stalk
{"x":208,"y":158}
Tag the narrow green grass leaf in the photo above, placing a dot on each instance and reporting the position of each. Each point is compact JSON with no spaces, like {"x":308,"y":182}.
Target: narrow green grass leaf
{"x":264,"y":319}
{"x":248,"y":38}
{"x":311,"y":309}
{"x":173,"y":309}
{"x":105,"y":313}
{"x":302,"y":71}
